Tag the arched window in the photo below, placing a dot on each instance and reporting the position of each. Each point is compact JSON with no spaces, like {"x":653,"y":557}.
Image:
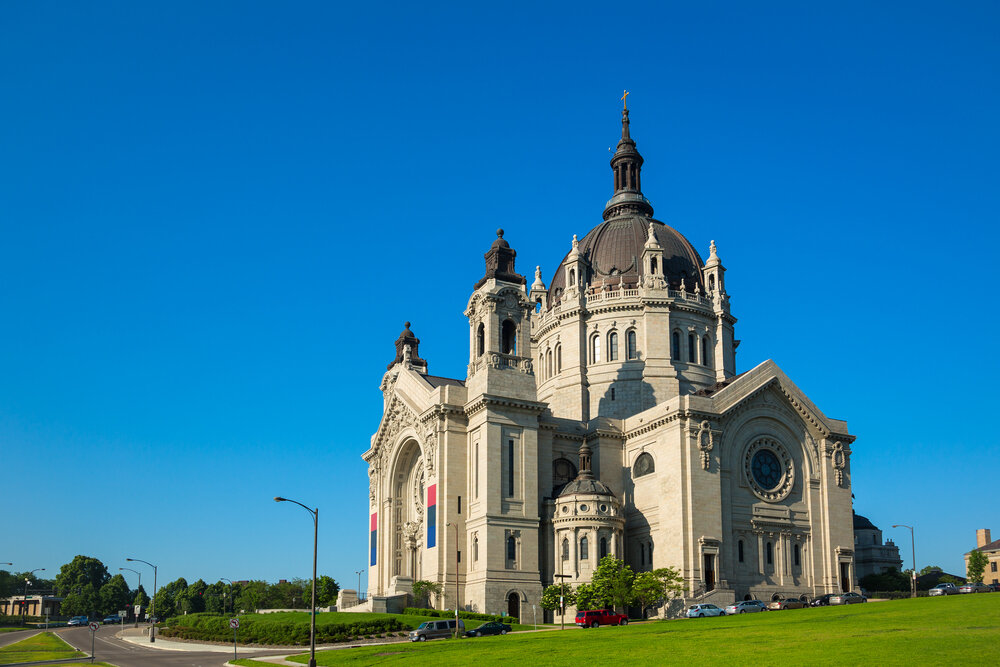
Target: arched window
{"x":642,"y":553}
{"x":595,"y":349}
{"x":711,"y":283}
{"x":706,"y":359}
{"x":508,"y":337}
{"x":572,"y":278}
{"x":511,"y":548}
{"x":538,"y":305}
{"x":565,"y":549}
{"x":612,"y":346}
{"x":652,"y":265}
{"x":649,"y":553}
{"x":480,"y":340}
{"x":692,"y":350}
{"x":797,"y":556}
{"x":739,"y":550}
{"x":604,"y":547}
{"x":558,"y":358}
{"x":584,"y":553}
{"x":675,"y":346}
{"x":630,"y":345}
{"x":563,"y":471}
{"x":643,"y":465}
{"x":548,"y":364}
{"x":770,"y":554}
{"x":475,"y":548}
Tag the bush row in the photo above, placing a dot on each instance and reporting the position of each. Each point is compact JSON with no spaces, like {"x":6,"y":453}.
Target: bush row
{"x":261,"y":631}
{"x":445,"y":613}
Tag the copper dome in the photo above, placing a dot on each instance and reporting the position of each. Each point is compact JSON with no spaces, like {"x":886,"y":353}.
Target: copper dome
{"x":614,"y":251}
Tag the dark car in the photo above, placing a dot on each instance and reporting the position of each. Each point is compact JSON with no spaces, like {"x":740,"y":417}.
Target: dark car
{"x":491,"y":628}
{"x":78,"y":620}
{"x":114,"y":618}
{"x":822,"y":600}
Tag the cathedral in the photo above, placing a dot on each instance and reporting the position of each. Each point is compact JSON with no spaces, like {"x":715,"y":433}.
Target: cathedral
{"x":604,"y":415}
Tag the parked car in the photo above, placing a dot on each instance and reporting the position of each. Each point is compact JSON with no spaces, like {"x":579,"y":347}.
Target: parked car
{"x":593,"y":618}
{"x":700,"y":610}
{"x":944,"y":589}
{"x":790,"y":603}
{"x":994,"y":587}
{"x":974,"y":588}
{"x":435,"y":630}
{"x":746,"y":607}
{"x":848,"y":598}
{"x":114,"y":618}
{"x":78,"y":620}
{"x":822,"y":600}
{"x":491,"y":628}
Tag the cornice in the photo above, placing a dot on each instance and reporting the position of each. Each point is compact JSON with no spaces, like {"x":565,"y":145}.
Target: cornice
{"x":480,"y":403}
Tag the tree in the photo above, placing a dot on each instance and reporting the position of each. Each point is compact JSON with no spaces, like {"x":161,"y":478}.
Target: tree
{"x":660,"y":584}
{"x":612,"y":583}
{"x":550,"y":596}
{"x":928,"y":569}
{"x":326,"y":591}
{"x":192,"y":600}
{"x":422,"y":591}
{"x":886,"y":581}
{"x":586,"y":597}
{"x":976,"y":566}
{"x":113,"y":595}
{"x":81,"y":601}
{"x":140,"y":599}
{"x":80,"y":572}
{"x":251,"y":596}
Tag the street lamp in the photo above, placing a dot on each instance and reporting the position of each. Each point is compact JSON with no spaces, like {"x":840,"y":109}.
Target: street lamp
{"x":358,"y":572}
{"x":913,"y":547}
{"x":312,"y":628}
{"x":24,"y":605}
{"x":152,"y":610}
{"x":136,"y":590}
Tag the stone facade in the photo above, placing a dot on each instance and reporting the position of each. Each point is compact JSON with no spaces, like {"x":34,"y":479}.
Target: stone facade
{"x":871,"y":556}
{"x":604,"y":415}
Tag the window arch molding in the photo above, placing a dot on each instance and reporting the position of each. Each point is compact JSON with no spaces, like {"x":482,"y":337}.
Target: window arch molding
{"x":643,"y":465}
{"x":612,"y":350}
{"x":595,"y":348}
{"x":631,"y":345}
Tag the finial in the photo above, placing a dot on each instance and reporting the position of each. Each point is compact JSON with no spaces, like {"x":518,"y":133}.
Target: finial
{"x":575,"y":242}
{"x":711,"y":250}
{"x":538,"y":272}
{"x":406,"y":325}
{"x":500,"y":233}
{"x":624,"y":99}
{"x":652,"y":234}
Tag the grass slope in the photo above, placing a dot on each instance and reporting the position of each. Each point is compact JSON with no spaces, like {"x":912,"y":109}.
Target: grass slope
{"x":43,"y":646}
{"x":951,"y":630}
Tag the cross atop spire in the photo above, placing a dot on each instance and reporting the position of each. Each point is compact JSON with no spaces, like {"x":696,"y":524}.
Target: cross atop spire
{"x":624,"y":99}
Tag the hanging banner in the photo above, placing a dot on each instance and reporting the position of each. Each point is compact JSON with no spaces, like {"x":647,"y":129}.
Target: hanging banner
{"x":432,"y":516}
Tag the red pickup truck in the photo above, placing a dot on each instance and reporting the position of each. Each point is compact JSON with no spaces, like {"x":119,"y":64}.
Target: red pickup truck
{"x":598,"y":617}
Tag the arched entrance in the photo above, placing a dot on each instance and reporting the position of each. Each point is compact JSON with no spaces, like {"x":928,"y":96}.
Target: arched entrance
{"x":408,"y":504}
{"x":514,"y":605}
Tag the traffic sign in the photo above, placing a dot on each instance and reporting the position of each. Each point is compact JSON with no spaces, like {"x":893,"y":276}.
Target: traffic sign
{"x":94,"y":626}
{"x":234,"y":623}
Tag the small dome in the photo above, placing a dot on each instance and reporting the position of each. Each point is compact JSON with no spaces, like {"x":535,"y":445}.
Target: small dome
{"x":862,"y":523}
{"x":586,"y":485}
{"x":614,"y":251}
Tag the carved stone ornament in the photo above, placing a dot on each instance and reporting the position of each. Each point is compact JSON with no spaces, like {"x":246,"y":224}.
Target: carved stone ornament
{"x":839,"y":457}
{"x":372,"y":482}
{"x":706,"y":442}
{"x":768,"y":469}
{"x":430,"y":435}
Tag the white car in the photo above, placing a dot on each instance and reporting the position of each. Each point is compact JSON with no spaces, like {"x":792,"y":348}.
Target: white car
{"x":700,"y":610}
{"x":944,"y":589}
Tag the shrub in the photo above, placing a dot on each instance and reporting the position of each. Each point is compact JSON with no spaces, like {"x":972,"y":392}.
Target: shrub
{"x":280,"y":630}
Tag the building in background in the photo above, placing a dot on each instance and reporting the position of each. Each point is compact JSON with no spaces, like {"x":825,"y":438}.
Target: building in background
{"x":871,"y":556}
{"x":991,"y":548}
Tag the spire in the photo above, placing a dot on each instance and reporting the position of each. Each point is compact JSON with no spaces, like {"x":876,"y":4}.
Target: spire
{"x":406,"y":350}
{"x":626,"y":166}
{"x":585,"y":471}
{"x":500,"y":263}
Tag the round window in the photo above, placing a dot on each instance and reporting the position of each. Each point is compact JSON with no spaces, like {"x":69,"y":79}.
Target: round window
{"x":766,"y":469}
{"x":604,"y":508}
{"x":565,"y":509}
{"x":583,"y":508}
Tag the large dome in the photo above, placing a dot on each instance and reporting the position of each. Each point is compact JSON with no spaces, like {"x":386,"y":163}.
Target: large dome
{"x":614,"y":251}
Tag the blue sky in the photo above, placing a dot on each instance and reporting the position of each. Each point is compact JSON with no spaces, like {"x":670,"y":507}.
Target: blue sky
{"x":217,"y":215}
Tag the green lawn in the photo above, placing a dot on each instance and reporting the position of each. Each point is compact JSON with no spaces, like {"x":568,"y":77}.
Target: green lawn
{"x":43,"y":646}
{"x":957,"y":629}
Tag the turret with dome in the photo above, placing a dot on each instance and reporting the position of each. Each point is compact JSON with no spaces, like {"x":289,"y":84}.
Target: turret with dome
{"x":626,"y":364}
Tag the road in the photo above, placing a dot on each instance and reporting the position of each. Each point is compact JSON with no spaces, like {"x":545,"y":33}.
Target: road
{"x":108,"y":648}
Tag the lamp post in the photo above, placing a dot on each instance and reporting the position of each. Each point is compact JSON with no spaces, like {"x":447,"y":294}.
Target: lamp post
{"x":224,"y":596}
{"x":358,"y":572}
{"x":913,"y":547}
{"x":136,"y":589}
{"x":24,"y":605}
{"x":152,"y":611}
{"x":312,"y":629}
{"x":457,"y":552}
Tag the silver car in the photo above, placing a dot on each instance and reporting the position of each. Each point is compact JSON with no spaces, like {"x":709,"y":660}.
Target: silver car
{"x":700,"y":610}
{"x":746,"y":607}
{"x":974,"y":588}
{"x":944,"y":589}
{"x":848,"y":598}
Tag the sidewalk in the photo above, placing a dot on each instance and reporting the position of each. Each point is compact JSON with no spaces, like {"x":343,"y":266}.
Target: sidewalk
{"x":132,"y":636}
